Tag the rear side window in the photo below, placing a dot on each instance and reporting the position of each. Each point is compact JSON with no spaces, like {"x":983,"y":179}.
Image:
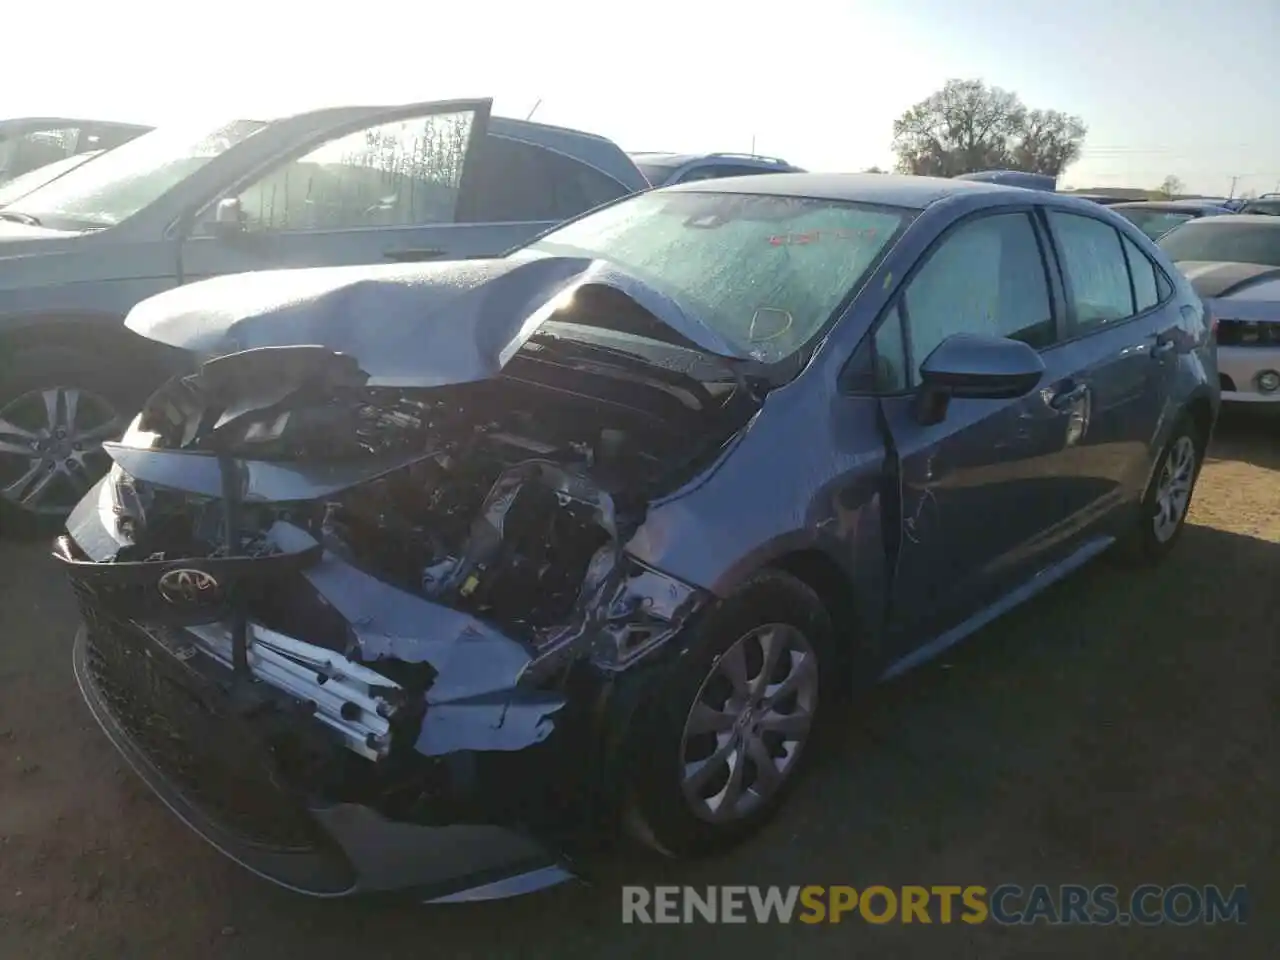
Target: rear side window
{"x":1096,"y":269}
{"x":517,"y":182}
{"x":1146,"y":288}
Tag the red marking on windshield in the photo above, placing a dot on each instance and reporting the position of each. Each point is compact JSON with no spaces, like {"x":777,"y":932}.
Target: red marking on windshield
{"x":820,"y":236}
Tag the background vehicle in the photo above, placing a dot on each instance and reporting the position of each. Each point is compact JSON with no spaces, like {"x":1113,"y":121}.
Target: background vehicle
{"x":1155,"y":218}
{"x":1014,"y":178}
{"x":29,"y":182}
{"x":609,"y":521}
{"x":1107,"y":199}
{"x":1268,"y":204}
{"x":347,"y":185}
{"x":668,"y":169}
{"x":30,"y":142}
{"x":1234,"y":264}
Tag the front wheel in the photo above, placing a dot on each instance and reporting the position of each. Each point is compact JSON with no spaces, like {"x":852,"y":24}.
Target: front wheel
{"x":722,"y":737}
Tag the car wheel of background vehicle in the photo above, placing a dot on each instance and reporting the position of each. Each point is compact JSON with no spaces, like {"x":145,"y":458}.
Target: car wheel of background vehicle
{"x":1168,"y":498}
{"x":56,"y":408}
{"x":722,"y":735}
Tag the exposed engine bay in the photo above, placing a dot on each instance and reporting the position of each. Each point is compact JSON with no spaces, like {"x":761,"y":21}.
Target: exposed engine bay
{"x":497,"y":497}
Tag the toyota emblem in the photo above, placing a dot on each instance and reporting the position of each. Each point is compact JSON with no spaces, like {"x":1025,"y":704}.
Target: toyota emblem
{"x":187,"y":586}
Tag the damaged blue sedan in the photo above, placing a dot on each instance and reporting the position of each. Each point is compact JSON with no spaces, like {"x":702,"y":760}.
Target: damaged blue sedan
{"x":419,"y":573}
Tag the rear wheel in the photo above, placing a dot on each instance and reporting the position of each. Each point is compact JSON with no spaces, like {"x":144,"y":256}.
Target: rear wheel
{"x":1168,"y":497}
{"x":56,"y":409}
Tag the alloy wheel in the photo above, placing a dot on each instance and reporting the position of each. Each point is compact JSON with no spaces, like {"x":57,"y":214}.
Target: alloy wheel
{"x":51,"y":447}
{"x":1173,"y":490}
{"x":749,"y":722}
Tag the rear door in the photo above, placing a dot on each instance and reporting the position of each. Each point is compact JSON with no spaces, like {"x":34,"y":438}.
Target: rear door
{"x":383,"y":191}
{"x":981,"y":493}
{"x":1121,"y":343}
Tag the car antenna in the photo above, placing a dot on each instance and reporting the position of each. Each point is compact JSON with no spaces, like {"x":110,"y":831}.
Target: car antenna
{"x":536,"y":105}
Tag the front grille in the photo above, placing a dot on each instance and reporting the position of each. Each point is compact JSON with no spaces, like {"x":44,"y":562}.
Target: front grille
{"x":189,"y":730}
{"x":1248,"y":333}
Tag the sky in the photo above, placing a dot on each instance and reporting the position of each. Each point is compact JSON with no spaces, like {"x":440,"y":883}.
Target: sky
{"x":1186,"y":88}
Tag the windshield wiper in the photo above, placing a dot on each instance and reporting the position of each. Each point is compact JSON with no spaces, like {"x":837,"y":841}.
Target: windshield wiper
{"x":17,"y":217}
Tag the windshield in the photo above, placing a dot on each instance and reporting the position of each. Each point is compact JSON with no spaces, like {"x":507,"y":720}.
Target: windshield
{"x":1154,"y":223}
{"x":32,"y":179}
{"x":132,"y":176}
{"x":1226,"y":240}
{"x":765,"y":272}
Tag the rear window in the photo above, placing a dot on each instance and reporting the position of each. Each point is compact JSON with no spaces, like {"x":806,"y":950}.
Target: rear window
{"x":655,"y":173}
{"x":1221,"y":239}
{"x":1154,"y":223}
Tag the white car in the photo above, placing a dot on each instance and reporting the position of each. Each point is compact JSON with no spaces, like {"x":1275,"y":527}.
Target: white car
{"x":1233,"y":262}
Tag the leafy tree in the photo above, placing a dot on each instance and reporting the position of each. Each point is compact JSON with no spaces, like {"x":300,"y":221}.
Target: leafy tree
{"x":967,"y":126}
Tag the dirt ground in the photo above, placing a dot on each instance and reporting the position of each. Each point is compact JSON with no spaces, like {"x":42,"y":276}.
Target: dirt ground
{"x":1120,"y":729}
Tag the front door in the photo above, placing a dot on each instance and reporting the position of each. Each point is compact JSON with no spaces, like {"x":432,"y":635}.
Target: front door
{"x":978,"y":491}
{"x":387,"y":191}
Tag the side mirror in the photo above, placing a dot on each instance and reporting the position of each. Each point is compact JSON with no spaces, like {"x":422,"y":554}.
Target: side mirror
{"x":228,"y":220}
{"x":983,"y":368}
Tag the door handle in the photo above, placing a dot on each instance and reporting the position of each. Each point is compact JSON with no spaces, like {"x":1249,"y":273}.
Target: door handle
{"x":1163,"y":347}
{"x":413,"y":254}
{"x":1070,"y":397}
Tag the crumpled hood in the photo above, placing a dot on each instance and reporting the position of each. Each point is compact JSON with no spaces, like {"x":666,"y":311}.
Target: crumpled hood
{"x":1236,"y":291}
{"x":420,"y":325}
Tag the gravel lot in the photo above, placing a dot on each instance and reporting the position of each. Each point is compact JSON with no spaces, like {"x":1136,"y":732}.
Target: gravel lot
{"x":1121,"y":729}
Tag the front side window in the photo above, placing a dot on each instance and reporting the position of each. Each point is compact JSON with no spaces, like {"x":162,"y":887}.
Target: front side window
{"x":1224,"y":240}
{"x":1096,"y":269}
{"x":132,"y":176}
{"x":404,"y":173}
{"x":732,"y":258}
{"x":987,"y":278}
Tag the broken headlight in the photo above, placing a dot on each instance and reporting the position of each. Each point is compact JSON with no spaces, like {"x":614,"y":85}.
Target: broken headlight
{"x":129,"y":502}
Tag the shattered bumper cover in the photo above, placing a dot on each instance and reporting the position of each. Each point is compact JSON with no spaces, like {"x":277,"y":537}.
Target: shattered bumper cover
{"x":267,"y":763}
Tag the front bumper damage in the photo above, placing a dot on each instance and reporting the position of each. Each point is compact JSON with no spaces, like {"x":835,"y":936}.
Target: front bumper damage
{"x":336,"y":772}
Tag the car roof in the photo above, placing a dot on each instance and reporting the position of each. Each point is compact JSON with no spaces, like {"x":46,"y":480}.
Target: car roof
{"x":883,"y":188}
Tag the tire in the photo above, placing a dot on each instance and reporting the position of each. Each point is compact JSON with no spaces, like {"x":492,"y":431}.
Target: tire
{"x":665,"y":808}
{"x":1162,"y":517}
{"x":106,"y":395}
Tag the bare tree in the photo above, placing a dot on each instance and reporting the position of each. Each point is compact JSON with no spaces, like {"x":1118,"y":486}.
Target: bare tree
{"x":1171,"y":186}
{"x":967,"y":126}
